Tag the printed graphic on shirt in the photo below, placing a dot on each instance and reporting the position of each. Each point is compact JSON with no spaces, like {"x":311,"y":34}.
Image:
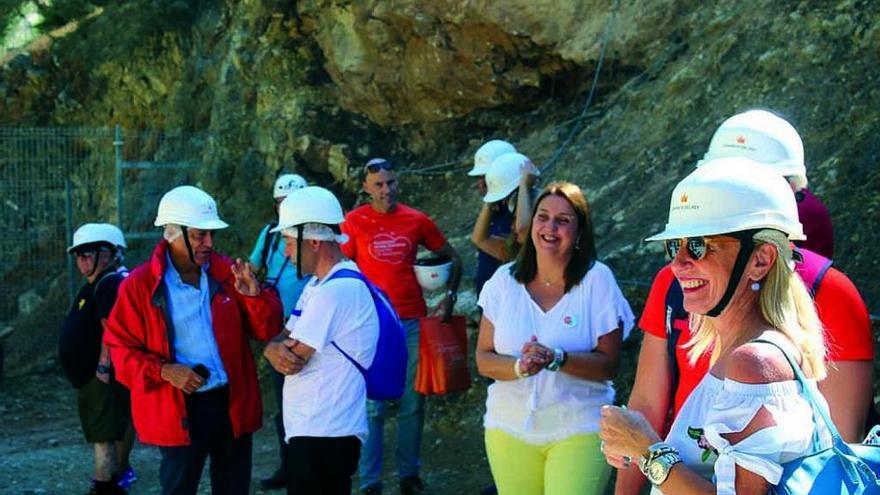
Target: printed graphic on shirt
{"x":390,"y":248}
{"x":698,"y":435}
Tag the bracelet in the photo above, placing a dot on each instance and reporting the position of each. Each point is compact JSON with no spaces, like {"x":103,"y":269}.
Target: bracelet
{"x":516,"y":370}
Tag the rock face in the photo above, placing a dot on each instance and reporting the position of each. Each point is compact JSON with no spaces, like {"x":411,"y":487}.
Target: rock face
{"x":317,"y":87}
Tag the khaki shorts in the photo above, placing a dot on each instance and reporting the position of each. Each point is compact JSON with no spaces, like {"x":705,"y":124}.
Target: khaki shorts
{"x":104,"y":410}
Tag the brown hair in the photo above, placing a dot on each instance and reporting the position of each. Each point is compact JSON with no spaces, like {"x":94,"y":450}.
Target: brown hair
{"x":525,"y":269}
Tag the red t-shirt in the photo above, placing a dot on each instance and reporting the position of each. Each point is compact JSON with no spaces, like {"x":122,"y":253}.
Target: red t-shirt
{"x":848,"y":334}
{"x":384,"y":246}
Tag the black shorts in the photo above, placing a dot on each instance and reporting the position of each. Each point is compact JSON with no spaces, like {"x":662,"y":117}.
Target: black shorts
{"x":104,"y":410}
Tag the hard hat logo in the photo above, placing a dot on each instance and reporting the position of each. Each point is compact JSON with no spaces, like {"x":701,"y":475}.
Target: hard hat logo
{"x":741,"y":140}
{"x":684,"y":199}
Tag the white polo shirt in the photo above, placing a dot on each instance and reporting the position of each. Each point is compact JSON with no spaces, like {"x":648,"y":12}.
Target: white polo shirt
{"x":328,"y":397}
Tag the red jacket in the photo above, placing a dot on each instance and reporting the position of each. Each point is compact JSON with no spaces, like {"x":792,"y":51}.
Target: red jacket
{"x":137,"y":337}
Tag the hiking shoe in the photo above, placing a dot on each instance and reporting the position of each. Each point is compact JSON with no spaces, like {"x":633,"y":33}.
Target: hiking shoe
{"x":274,"y":482}
{"x":127,"y":478}
{"x":374,"y":489}
{"x":411,"y":485}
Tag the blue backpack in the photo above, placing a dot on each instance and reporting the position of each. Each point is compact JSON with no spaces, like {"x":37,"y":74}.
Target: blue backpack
{"x":386,"y":376}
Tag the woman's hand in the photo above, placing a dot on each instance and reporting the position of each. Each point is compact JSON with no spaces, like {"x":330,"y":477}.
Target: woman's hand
{"x":625,"y":434}
{"x":535,"y":356}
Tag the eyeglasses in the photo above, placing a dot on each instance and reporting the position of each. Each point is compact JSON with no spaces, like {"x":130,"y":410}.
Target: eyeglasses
{"x":377,"y":164}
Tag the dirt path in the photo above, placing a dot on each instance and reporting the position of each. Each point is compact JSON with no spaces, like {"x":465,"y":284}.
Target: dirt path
{"x":42,"y":450}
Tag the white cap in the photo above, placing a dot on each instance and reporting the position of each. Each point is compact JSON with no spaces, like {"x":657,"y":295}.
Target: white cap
{"x":731,"y":195}
{"x":487,"y":153}
{"x":97,"y":232}
{"x":764,"y":137}
{"x":189,"y":206}
{"x":286,"y":183}
{"x":504,"y":175}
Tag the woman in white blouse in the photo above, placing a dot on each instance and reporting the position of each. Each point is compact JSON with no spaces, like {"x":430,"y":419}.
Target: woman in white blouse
{"x":550,"y":337}
{"x":731,"y":222}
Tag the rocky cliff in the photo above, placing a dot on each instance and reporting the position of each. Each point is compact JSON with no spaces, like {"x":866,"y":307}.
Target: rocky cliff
{"x":317,"y":87}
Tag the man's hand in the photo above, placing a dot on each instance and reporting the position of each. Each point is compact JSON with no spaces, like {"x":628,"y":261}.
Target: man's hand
{"x":182,"y":377}
{"x":443,"y":309}
{"x":280,"y":355}
{"x":246,"y":282}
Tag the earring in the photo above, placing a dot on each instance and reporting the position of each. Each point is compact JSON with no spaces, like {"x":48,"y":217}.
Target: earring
{"x":756,"y":286}
{"x":577,"y":243}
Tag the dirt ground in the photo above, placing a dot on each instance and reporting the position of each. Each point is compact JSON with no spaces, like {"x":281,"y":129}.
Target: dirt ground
{"x":42,"y":450}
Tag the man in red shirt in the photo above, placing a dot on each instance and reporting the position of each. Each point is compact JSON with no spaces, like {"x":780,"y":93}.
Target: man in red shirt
{"x":385,"y":236}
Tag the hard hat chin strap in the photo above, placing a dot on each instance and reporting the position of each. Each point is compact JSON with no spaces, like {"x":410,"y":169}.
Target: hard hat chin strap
{"x":189,"y":249}
{"x":746,"y":247}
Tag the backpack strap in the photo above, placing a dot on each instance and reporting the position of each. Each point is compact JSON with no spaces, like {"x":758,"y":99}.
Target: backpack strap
{"x":812,"y":269}
{"x":347,"y":273}
{"x":267,"y":243}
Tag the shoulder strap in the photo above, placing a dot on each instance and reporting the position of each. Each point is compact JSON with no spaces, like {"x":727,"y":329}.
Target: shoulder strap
{"x":347,"y":273}
{"x":809,"y":390}
{"x":674,"y":311}
{"x":104,"y":277}
{"x":267,"y":241}
{"x":812,"y":268}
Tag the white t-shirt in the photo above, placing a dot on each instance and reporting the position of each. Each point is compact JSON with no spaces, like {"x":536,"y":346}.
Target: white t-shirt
{"x":551,"y":406}
{"x":328,"y":397}
{"x":718,"y":406}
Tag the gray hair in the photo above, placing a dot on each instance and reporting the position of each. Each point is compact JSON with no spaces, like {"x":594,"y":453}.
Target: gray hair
{"x":172,"y":232}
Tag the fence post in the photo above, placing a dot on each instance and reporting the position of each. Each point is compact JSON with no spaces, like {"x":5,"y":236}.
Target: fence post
{"x":68,"y":200}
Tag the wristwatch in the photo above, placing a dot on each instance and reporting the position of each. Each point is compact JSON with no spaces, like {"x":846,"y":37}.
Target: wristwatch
{"x":559,"y":358}
{"x":658,"y":461}
{"x":452,"y":295}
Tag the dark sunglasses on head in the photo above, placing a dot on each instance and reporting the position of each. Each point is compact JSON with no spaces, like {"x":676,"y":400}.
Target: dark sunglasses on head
{"x":696,"y":247}
{"x":374,"y":166}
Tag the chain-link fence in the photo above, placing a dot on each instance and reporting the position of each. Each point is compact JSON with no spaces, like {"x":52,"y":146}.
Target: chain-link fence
{"x":53,"y":180}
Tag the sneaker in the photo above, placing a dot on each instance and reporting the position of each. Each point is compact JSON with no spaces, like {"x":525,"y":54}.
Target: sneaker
{"x":374,"y":489}
{"x":274,"y":482}
{"x":411,"y":485}
{"x":127,"y":479}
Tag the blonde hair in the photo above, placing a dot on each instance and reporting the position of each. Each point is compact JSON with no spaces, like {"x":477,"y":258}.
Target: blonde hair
{"x":787,"y":306}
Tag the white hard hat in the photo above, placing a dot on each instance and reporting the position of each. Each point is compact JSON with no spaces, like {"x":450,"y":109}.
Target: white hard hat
{"x":731,"y":195}
{"x":90,"y":233}
{"x":504,"y":175}
{"x":765,"y":138}
{"x":311,"y":204}
{"x":432,"y":273}
{"x":287,"y":183}
{"x":487,"y":153}
{"x":190,"y":207}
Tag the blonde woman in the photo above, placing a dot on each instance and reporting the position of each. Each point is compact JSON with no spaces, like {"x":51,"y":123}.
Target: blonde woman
{"x":730,"y":226}
{"x":550,"y":336}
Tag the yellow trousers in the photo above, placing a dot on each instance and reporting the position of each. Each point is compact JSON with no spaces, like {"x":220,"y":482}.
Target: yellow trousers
{"x":573,"y":466}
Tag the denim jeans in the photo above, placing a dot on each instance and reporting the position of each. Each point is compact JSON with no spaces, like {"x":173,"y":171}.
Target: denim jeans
{"x":410,"y":420}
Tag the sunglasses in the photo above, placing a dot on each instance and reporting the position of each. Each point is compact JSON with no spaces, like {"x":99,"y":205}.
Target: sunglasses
{"x":697,"y":247}
{"x":88,"y":254}
{"x":376,"y":165}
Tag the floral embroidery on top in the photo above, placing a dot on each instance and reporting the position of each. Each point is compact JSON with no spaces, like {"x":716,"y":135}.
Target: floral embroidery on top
{"x":698,"y":435}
